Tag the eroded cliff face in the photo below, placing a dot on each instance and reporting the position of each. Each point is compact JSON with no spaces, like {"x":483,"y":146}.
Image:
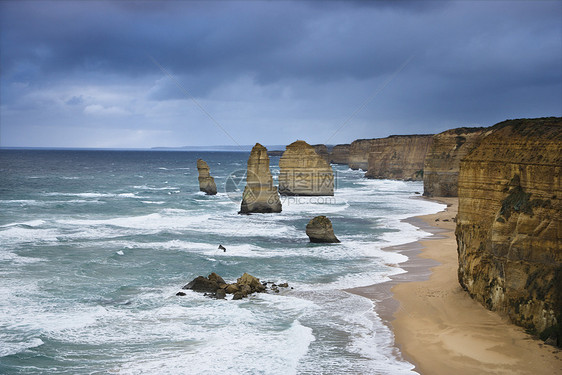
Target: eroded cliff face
{"x":398,"y":157}
{"x":442,"y":162}
{"x":303,"y":172}
{"x":509,"y":223}
{"x":340,"y":154}
{"x":358,"y":157}
{"x":323,"y":151}
{"x":260,"y":196}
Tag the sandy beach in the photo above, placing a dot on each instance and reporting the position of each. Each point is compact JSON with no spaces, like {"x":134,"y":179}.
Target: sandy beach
{"x":438,"y":327}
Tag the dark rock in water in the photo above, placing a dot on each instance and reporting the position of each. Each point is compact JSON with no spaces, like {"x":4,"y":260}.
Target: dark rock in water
{"x":180,"y":294}
{"x":252,"y":282}
{"x":215,"y":286}
{"x":237,"y":296}
{"x":320,"y":230}
{"x":220,"y":294}
{"x":202,"y":284}
{"x":284,"y":285}
{"x":216,"y":278}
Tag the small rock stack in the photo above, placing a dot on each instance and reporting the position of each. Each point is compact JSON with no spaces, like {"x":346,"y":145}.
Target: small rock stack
{"x":206,"y":182}
{"x":320,"y":230}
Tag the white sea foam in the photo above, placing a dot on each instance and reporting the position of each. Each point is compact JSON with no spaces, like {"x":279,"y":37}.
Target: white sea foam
{"x":10,"y":348}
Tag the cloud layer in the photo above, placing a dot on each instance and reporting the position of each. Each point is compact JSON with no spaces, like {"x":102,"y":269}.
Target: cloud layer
{"x":94,"y":74}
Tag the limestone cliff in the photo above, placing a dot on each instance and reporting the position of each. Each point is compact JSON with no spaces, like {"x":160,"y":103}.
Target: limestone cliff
{"x":260,"y":196}
{"x":323,"y":151}
{"x":206,"y":182}
{"x":340,"y":154}
{"x":398,"y":157}
{"x":358,"y":157}
{"x":303,"y":172}
{"x":441,"y":166}
{"x":509,"y":228}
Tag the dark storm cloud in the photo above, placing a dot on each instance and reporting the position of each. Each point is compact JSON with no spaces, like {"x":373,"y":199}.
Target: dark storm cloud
{"x":302,"y":66}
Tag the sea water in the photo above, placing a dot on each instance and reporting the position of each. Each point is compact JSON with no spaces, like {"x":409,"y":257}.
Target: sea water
{"x":94,"y":246}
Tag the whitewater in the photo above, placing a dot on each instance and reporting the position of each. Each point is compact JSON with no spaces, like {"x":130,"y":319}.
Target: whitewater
{"x":94,"y":246}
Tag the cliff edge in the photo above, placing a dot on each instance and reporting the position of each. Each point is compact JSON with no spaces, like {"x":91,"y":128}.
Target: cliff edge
{"x":509,"y":224}
{"x":443,"y":159}
{"x":398,"y":157}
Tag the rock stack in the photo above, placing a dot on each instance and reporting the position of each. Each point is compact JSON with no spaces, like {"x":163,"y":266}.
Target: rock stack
{"x":304,"y":172}
{"x":260,"y":196}
{"x":206,"y":182}
{"x":320,"y":230}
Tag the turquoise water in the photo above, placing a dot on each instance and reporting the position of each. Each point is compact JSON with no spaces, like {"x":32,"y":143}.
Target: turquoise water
{"x":95,"y":244}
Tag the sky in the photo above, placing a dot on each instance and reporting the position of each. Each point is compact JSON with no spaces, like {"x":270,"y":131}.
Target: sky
{"x":139,"y":74}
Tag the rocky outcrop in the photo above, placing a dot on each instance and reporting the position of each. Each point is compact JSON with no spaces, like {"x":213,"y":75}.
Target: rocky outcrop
{"x":260,"y":196}
{"x":441,"y":166}
{"x":320,"y":230}
{"x":215,"y":286}
{"x":323,"y":151}
{"x":398,"y":157}
{"x":303,"y":172}
{"x":509,"y":231}
{"x":206,"y":182}
{"x":340,"y":154}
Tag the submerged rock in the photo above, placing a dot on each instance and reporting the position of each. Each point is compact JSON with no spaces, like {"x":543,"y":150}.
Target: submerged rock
{"x":320,"y":230}
{"x":304,"y":172}
{"x":260,"y":196}
{"x":206,"y":182}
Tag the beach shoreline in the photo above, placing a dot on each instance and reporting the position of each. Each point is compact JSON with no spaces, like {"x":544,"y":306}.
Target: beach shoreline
{"x":437,"y":326}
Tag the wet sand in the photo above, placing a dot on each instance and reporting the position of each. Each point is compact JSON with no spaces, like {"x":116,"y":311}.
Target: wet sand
{"x":438,"y":327}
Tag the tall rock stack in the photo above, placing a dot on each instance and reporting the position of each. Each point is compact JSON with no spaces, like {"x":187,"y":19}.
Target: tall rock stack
{"x":398,"y":157}
{"x":509,"y":225}
{"x":206,"y":182}
{"x":442,"y":162}
{"x":304,"y":172}
{"x":260,"y":196}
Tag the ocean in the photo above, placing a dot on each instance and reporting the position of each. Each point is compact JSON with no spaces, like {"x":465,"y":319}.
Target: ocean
{"x":94,"y":246}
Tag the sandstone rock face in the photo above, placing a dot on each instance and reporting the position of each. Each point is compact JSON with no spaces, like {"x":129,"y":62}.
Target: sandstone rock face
{"x":398,"y":157}
{"x":340,"y":154}
{"x":509,"y":231}
{"x":304,"y":172}
{"x":441,"y":166}
{"x":260,"y":196}
{"x":320,"y":230}
{"x":358,"y":157}
{"x":206,"y":182}
{"x":323,"y":151}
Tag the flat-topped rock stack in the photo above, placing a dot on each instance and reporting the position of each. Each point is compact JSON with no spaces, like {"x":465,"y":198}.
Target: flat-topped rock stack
{"x":260,"y":196}
{"x":304,"y":172}
{"x":206,"y":182}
